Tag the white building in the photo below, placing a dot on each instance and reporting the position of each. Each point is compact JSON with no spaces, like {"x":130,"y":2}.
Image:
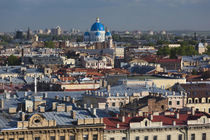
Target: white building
{"x":97,"y":33}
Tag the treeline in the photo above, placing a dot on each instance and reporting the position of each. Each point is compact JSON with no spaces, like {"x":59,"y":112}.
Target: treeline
{"x":174,"y":52}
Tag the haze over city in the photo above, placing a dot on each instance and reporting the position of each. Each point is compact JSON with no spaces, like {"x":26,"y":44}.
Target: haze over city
{"x":117,"y":14}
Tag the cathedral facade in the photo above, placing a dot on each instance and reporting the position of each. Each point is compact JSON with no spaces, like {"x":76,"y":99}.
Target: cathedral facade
{"x":97,"y":33}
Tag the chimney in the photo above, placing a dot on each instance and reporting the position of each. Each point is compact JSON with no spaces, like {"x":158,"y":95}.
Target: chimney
{"x":68,"y":108}
{"x":22,"y":116}
{"x":54,"y":104}
{"x":151,"y":117}
{"x":126,"y":94}
{"x":108,"y":88}
{"x":2,"y":104}
{"x":118,"y":94}
{"x":68,"y":98}
{"x":174,"y":123}
{"x":118,"y":125}
{"x":174,"y":92}
{"x":181,"y":93}
{"x":85,"y":106}
{"x":193,"y":111}
{"x":25,"y":94}
{"x":177,"y":115}
{"x":123,"y":118}
{"x":73,"y":100}
{"x":73,"y":114}
{"x":42,"y":109}
{"x":57,"y":97}
{"x":45,"y":95}
{"x":35,"y":85}
{"x":93,"y":110}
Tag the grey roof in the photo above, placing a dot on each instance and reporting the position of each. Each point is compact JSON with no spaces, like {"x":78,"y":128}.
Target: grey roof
{"x":122,"y":89}
{"x":64,"y":118}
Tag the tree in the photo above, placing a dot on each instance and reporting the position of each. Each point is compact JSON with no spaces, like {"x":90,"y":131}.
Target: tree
{"x":49,"y":44}
{"x":163,"y":51}
{"x":13,"y":60}
{"x":208,"y":50}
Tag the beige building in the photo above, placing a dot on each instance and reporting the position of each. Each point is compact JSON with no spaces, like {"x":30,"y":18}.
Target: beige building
{"x":38,"y":127}
{"x":163,"y":83}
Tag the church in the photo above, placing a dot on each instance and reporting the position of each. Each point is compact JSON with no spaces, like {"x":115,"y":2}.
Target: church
{"x":99,"y":36}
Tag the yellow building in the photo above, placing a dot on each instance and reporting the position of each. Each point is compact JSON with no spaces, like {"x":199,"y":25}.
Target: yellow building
{"x":41,"y":127}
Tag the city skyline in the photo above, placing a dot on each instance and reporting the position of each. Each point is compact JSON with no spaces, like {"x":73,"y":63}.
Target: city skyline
{"x":137,"y":14}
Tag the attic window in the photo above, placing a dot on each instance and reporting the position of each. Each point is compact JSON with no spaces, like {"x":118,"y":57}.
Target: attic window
{"x":37,"y":121}
{"x":145,"y":123}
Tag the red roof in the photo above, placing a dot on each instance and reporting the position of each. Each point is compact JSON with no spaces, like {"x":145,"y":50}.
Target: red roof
{"x":169,"y":60}
{"x":111,"y":123}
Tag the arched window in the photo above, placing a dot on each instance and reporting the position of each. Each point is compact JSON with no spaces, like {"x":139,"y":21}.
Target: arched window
{"x":146,"y":123}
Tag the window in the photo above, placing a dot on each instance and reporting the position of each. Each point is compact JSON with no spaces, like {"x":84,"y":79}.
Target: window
{"x":21,"y":139}
{"x":192,"y":136}
{"x":113,"y":104}
{"x":154,"y":137}
{"x":209,"y":110}
{"x":62,"y":137}
{"x":180,"y":137}
{"x":196,"y":101}
{"x":146,"y":137}
{"x":162,"y":106}
{"x":95,"y":137}
{"x":196,"y":109}
{"x":204,"y":120}
{"x":37,"y":138}
{"x":85,"y":137}
{"x":11,"y":139}
{"x":203,"y":136}
{"x":178,"y":102}
{"x":52,"y":137}
{"x":137,"y":138}
{"x":123,"y":138}
{"x":189,"y":101}
{"x":170,"y":103}
{"x":111,"y":138}
{"x":72,"y":137}
{"x":168,"y":137}
{"x":145,"y":123}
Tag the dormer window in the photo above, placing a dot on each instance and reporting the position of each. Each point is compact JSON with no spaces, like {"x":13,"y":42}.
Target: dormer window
{"x":204,"y":120}
{"x":146,"y":123}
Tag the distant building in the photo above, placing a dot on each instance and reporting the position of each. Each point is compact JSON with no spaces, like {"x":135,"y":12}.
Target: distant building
{"x":98,"y":34}
{"x":19,"y":34}
{"x":56,"y":31}
{"x":146,"y":104}
{"x":200,"y":48}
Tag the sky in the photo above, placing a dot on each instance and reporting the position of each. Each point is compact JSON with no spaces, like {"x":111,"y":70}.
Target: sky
{"x":114,"y":14}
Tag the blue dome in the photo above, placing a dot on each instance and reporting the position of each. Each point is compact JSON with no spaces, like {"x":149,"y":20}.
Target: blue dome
{"x":87,"y":34}
{"x":97,"y":27}
{"x":108,"y":34}
{"x":97,"y":33}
